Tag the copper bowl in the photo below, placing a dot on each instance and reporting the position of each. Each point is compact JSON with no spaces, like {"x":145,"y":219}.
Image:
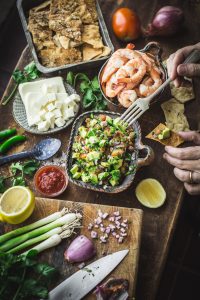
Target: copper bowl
{"x":152,"y":48}
{"x":138,"y":158}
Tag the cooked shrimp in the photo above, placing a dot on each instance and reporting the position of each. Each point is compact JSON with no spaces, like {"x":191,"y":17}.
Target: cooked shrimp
{"x":117,"y":60}
{"x":133,"y":71}
{"x":112,"y":87}
{"x":127,"y":97}
{"x":146,"y":90}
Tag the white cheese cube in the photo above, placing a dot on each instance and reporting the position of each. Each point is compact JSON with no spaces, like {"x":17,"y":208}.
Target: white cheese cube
{"x":68,"y":113}
{"x":50,"y":97}
{"x":36,"y":120}
{"x":50,"y":107}
{"x":52,"y":124}
{"x":57,"y":113}
{"x":58,"y":104}
{"x":42,"y":114}
{"x":43,"y":126}
{"x":75,"y":97}
{"x":62,"y":97}
{"x":60,"y":122}
{"x":49,"y":116}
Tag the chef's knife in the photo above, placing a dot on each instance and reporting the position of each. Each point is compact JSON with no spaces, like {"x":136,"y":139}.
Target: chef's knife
{"x":83,"y":281}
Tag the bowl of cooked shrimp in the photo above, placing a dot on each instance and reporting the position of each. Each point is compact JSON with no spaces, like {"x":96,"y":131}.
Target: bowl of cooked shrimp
{"x":130,"y":74}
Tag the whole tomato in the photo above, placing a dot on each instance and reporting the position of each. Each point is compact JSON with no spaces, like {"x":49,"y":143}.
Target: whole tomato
{"x":126,"y":24}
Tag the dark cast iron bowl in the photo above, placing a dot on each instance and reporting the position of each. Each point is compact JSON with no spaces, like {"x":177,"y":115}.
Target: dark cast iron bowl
{"x":153,"y":48}
{"x":136,"y":157}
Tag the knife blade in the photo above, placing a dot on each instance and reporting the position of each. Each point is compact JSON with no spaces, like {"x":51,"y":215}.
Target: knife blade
{"x":83,"y":281}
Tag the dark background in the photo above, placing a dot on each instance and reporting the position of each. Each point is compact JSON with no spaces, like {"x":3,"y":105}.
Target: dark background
{"x":181,"y":277}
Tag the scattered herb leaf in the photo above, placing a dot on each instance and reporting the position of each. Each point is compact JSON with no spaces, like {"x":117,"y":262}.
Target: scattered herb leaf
{"x":92,"y":96}
{"x":19,"y":277}
{"x":29,"y":73}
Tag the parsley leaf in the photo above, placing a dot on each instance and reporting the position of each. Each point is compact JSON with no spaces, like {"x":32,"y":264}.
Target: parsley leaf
{"x":92,"y":96}
{"x":2,"y":184}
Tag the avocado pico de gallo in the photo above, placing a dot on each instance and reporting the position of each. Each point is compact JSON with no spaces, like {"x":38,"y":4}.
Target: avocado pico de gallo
{"x":102,"y":151}
{"x":162,"y":134}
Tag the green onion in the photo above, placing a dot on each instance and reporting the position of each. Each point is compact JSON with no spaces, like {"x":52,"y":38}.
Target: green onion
{"x":44,"y":221}
{"x":36,"y":240}
{"x":70,"y":219}
{"x":52,"y":241}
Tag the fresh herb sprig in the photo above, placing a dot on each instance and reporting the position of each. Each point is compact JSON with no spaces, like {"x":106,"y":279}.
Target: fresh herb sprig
{"x":18,"y":173}
{"x":29,"y":73}
{"x":92,"y":96}
{"x":22,"y":277}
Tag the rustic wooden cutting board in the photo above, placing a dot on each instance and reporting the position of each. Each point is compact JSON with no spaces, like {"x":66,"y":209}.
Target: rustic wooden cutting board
{"x":127,"y":269}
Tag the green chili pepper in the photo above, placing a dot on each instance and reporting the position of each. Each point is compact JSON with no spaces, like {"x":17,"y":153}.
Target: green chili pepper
{"x":4,"y":134}
{"x":11,"y":142}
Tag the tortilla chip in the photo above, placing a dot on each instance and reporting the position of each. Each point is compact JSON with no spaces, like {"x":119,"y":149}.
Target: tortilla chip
{"x":91,"y":36}
{"x":182,"y":93}
{"x":105,"y":52}
{"x":174,"y":139}
{"x":174,"y":115}
{"x":89,"y":52}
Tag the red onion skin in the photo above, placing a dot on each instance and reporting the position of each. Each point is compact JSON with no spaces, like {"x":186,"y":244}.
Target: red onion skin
{"x":80,"y":250}
{"x":166,"y":22}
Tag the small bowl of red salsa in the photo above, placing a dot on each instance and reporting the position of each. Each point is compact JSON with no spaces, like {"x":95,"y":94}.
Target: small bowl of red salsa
{"x":50,"y":181}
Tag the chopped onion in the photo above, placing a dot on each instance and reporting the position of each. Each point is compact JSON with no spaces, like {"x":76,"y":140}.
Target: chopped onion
{"x":80,"y":250}
{"x":166,"y":22}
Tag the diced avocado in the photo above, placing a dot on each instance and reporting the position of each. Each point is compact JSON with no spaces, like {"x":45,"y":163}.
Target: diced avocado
{"x":75,"y":155}
{"x":113,"y":182}
{"x":85,"y":177}
{"x":102,"y":143}
{"x":109,"y":120}
{"x":103,"y":175}
{"x":94,"y":178}
{"x":93,"y":155}
{"x":77,"y":175}
{"x":165,"y":134}
{"x":116,"y":122}
{"x":115,"y":174}
{"x":93,"y":122}
{"x":93,"y":140}
{"x":105,"y":164}
{"x":112,"y":130}
{"x":118,"y":164}
{"x":82,"y":131}
{"x":74,"y":169}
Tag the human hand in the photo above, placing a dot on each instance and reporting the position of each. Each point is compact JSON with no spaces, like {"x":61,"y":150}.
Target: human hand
{"x":186,"y":160}
{"x":175,"y":67}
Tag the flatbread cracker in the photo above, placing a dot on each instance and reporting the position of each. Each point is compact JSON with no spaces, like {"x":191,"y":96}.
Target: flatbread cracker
{"x":89,"y":52}
{"x":182,"y":93}
{"x":174,"y":114}
{"x":105,"y":52}
{"x":91,"y":36}
{"x":174,"y":140}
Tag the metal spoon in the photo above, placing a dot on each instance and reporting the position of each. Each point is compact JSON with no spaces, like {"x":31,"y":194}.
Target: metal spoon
{"x":43,"y":150}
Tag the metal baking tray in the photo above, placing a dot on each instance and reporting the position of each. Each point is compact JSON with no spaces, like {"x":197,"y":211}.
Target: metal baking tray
{"x":24,"y":6}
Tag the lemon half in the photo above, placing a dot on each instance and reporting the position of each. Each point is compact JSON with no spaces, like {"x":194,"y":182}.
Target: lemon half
{"x":16,"y":204}
{"x":150,"y":193}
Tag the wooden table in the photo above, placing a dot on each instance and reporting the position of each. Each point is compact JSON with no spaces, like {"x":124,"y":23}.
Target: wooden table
{"x":158,"y":224}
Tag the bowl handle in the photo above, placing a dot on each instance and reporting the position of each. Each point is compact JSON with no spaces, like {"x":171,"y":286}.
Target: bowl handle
{"x":154,"y":48}
{"x":147,"y":160}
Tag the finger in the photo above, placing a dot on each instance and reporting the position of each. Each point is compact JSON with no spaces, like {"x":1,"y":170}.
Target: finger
{"x":191,"y":165}
{"x":190,"y":70}
{"x":190,"y":136}
{"x":179,"y":58}
{"x":184,"y":153}
{"x":192,"y":189}
{"x":184,"y":176}
{"x":170,"y":64}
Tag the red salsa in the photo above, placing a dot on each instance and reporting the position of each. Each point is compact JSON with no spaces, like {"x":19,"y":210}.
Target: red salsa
{"x":50,"y":180}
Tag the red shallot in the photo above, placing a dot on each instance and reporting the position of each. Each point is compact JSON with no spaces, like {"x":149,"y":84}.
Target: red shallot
{"x":166,"y":22}
{"x":80,"y":250}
